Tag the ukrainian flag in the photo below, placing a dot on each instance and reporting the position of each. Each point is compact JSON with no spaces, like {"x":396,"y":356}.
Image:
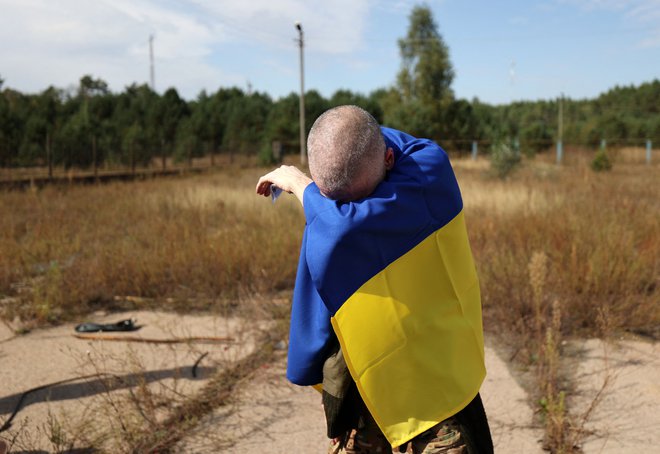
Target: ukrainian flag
{"x":392,"y":276}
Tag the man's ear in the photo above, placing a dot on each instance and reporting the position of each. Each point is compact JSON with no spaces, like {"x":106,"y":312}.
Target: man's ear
{"x":389,"y":159}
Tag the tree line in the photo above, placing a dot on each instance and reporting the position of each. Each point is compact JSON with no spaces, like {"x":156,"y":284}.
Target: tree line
{"x":90,"y":125}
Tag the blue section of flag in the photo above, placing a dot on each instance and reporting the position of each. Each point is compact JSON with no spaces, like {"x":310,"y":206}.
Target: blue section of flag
{"x":346,"y":244}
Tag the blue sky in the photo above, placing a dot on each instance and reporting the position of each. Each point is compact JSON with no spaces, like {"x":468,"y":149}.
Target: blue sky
{"x":501,"y":50}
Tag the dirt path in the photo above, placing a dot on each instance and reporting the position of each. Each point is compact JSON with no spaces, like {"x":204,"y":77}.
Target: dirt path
{"x":271,"y":416}
{"x":51,"y":355}
{"x":627,"y":417}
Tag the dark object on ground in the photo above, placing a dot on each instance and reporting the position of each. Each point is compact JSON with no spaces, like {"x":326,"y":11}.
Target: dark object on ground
{"x":124,"y":325}
{"x":174,"y":340}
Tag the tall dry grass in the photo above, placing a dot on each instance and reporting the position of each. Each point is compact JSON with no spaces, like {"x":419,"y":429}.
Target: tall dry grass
{"x":564,"y":252}
{"x":600,"y":233}
{"x":209,"y":238}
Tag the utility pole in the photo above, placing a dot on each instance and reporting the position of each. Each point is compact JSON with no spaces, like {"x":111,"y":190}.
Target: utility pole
{"x":152,"y":76}
{"x":560,"y":125}
{"x":301,"y":43}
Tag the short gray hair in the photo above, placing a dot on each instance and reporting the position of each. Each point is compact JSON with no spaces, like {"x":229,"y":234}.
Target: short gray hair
{"x":341,"y":145}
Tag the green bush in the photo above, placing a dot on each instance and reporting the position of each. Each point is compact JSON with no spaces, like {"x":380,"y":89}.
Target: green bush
{"x":504,"y":158}
{"x":601,"y":161}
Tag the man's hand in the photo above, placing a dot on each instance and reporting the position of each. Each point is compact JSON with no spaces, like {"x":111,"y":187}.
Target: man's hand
{"x":287,"y":178}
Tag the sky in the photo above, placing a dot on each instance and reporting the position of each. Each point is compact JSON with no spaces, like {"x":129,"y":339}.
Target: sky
{"x":501,"y":51}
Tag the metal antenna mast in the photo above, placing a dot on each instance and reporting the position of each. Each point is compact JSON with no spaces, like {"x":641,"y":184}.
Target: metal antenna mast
{"x":151,"y":60}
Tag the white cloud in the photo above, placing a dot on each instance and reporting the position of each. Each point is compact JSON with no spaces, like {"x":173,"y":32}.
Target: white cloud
{"x":47,"y":42}
{"x":331,"y":27}
{"x":643,"y":13}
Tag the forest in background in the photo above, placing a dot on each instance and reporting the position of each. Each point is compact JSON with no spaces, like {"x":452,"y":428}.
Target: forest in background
{"x":89,"y":125}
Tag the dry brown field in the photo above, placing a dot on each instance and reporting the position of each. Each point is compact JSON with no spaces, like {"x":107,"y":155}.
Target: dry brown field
{"x":561,"y":252}
{"x":208,"y":239}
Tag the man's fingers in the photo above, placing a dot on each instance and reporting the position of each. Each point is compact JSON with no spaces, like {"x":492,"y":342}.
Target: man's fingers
{"x":279,"y":177}
{"x":287,"y":178}
{"x":263,"y":186}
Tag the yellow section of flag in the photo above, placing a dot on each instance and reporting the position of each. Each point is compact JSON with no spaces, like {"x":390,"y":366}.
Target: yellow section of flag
{"x":412,"y":335}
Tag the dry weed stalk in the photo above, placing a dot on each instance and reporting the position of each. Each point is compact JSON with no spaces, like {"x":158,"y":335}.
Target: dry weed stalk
{"x":537,"y":278}
{"x":557,"y":419}
{"x":605,"y":333}
{"x":127,"y":406}
{"x":565,"y":430}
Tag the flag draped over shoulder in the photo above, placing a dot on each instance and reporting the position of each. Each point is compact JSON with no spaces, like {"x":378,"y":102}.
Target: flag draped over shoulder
{"x":393,"y":277}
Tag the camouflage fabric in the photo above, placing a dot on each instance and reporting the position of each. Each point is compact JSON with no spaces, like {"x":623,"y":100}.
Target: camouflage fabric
{"x":360,"y":442}
{"x":443,"y":438}
{"x":366,"y":439}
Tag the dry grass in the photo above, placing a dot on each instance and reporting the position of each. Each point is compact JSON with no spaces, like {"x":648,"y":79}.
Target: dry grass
{"x":599,"y":233}
{"x":219,"y":161}
{"x":210,"y":239}
{"x":555,"y":249}
{"x":68,"y":251}
{"x":564,"y":252}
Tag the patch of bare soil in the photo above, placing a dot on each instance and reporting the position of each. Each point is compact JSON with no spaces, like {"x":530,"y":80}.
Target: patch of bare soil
{"x":160,"y":373}
{"x":626,"y":415}
{"x":272,"y":416}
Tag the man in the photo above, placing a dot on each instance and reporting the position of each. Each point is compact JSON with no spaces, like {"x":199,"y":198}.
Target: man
{"x":386,"y":310}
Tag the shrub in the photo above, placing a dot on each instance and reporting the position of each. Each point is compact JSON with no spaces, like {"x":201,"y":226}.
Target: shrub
{"x":504,"y":158}
{"x":601,"y":161}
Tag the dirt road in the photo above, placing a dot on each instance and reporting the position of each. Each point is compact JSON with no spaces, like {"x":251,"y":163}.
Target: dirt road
{"x":271,"y":416}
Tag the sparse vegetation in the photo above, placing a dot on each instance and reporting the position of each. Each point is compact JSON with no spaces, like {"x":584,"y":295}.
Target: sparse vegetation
{"x":208,"y":239}
{"x":504,"y":159}
{"x":555,"y":249}
{"x":601,"y":161}
{"x":598,"y":231}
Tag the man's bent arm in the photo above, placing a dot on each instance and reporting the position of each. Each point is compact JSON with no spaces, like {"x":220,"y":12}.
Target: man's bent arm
{"x":287,"y":178}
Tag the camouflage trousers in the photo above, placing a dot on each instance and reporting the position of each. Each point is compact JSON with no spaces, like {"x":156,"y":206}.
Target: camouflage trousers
{"x":443,"y":438}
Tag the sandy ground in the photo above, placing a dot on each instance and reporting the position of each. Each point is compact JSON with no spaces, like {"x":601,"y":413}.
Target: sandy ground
{"x":51,"y":355}
{"x":627,"y":417}
{"x":271,"y":416}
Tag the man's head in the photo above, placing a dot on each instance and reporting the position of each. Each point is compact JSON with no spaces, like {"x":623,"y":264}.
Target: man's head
{"x":347,"y":154}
